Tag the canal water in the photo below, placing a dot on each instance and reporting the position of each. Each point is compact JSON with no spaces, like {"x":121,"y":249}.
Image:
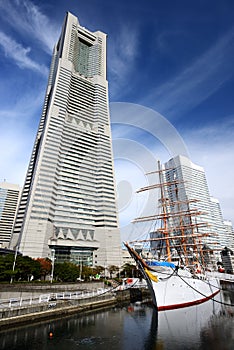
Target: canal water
{"x":132,"y":327}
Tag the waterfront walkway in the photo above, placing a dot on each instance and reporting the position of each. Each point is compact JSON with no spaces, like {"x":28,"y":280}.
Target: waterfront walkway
{"x":26,"y":306}
{"x":30,"y":306}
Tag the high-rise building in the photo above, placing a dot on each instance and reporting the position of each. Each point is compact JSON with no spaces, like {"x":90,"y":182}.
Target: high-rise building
{"x":9,"y":197}
{"x":228,"y":260}
{"x":193,"y":194}
{"x":68,"y":203}
{"x":229,"y":235}
{"x":218,"y":224}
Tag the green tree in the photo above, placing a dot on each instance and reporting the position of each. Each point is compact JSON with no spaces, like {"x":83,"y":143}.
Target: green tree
{"x":113,"y":269}
{"x":6,"y":267}
{"x":66,"y":272}
{"x":27,"y":268}
{"x":98,"y":270}
{"x":129,"y":270}
{"x":86,"y":272}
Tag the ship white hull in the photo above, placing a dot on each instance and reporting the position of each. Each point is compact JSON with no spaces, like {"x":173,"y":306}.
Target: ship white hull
{"x":173,"y":287}
{"x":182,"y":290}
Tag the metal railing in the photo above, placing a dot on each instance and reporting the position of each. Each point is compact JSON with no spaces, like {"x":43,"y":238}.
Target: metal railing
{"x":51,"y":297}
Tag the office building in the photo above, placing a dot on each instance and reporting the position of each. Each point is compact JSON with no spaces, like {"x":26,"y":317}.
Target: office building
{"x":227,"y":256}
{"x":9,"y":196}
{"x":193,"y":195}
{"x":68,"y":204}
{"x":218,"y":224}
{"x":229,"y":235}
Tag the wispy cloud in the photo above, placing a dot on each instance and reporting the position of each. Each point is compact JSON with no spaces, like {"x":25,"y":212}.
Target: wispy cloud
{"x":20,"y":109}
{"x":17,"y":133}
{"x":216,"y":132}
{"x":212,"y":148}
{"x":197,"y":81}
{"x":27,"y":18}
{"x":24,"y":108}
{"x":122,"y":53}
{"x":14,"y":161}
{"x":20,"y":55}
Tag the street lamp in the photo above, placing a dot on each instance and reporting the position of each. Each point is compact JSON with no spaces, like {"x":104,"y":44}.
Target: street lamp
{"x":80,"y":267}
{"x":52,"y":267}
{"x":13,"y":267}
{"x":105,"y":270}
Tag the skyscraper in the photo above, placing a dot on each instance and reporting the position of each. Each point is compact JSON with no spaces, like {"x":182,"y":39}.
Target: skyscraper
{"x":194,"y":196}
{"x":68,"y":202}
{"x":9,"y":197}
{"x":229,"y":235}
{"x":218,"y":223}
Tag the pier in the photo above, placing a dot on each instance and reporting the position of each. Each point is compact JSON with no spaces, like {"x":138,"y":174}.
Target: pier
{"x":35,"y":303}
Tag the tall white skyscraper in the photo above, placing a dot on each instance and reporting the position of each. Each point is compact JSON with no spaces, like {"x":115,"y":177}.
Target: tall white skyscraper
{"x":68,"y":202}
{"x":217,"y":222}
{"x":9,"y":197}
{"x":194,"y":195}
{"x":229,"y":235}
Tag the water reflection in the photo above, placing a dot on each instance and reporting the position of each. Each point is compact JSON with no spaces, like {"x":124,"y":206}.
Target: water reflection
{"x":198,"y":327}
{"x":136,"y":326}
{"x":181,"y":328}
{"x":219,"y":332}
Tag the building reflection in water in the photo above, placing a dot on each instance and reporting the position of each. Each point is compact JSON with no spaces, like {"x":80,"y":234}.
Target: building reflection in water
{"x":136,"y":326}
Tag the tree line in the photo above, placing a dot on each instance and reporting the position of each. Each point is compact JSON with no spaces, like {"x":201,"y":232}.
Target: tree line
{"x":27,"y":269}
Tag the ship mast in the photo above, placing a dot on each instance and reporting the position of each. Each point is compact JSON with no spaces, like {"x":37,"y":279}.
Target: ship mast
{"x":164,"y":212}
{"x":177,"y":230}
{"x":181,"y":225}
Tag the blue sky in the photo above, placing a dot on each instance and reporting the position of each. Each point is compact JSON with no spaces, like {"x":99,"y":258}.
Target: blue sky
{"x":174,"y":57}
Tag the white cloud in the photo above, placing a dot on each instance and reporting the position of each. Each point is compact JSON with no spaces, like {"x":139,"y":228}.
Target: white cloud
{"x":14,"y":161}
{"x":17,"y":134}
{"x":28,"y":19}
{"x":24,"y":108}
{"x":19,"y":54}
{"x":212,"y":148}
{"x":122,"y":52}
{"x":197,"y":81}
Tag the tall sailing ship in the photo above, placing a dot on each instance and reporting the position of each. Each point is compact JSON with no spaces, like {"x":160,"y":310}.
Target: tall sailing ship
{"x":177,"y":274}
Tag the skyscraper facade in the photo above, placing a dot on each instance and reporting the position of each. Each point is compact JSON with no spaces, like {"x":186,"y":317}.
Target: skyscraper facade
{"x":68,"y":204}
{"x":218,"y":223}
{"x":229,"y":235}
{"x":9,"y":197}
{"x":193,"y":194}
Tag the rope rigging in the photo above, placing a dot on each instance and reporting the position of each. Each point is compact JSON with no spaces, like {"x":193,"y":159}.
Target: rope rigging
{"x":217,"y":301}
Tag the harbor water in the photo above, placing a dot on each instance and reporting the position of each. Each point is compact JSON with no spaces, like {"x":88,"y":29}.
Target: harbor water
{"x":134,"y":326}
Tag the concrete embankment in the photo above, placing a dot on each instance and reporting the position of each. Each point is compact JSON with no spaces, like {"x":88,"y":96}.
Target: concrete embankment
{"x":53,"y":308}
{"x":56,"y":309}
{"x":23,"y":290}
